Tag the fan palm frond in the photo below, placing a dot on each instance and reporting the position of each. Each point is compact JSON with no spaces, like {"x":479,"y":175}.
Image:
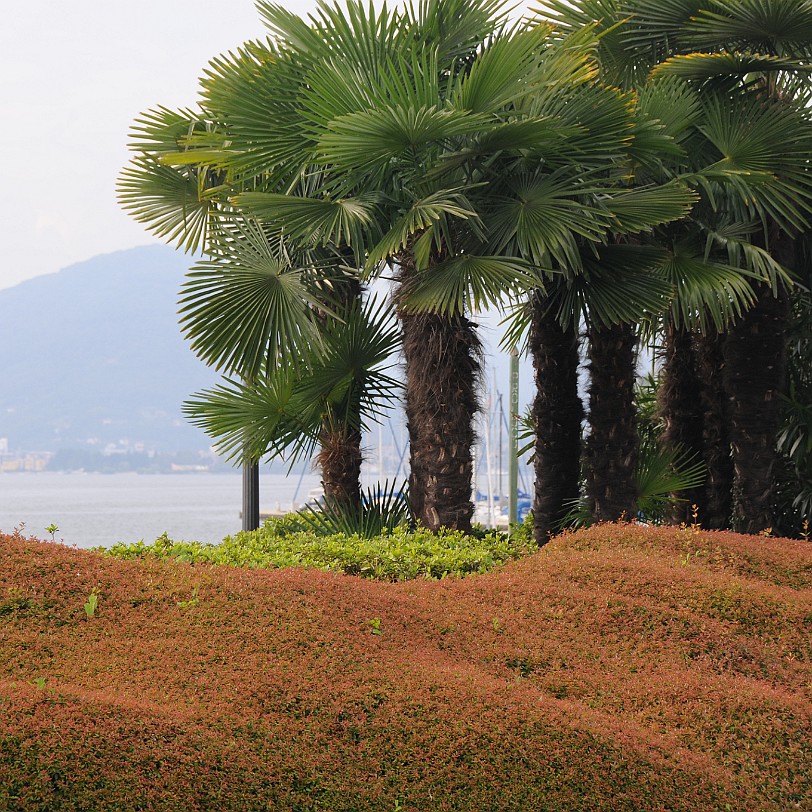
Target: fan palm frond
{"x":777,"y":27}
{"x":313,"y":221}
{"x":249,"y":304}
{"x":168,"y":201}
{"x":467,"y":282}
{"x":251,"y":421}
{"x":346,"y":372}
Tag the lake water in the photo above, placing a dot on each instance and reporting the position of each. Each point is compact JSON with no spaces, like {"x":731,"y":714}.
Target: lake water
{"x":100,"y":509}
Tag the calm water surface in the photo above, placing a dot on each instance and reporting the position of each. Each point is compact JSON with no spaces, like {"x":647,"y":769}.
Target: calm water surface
{"x":101,"y":509}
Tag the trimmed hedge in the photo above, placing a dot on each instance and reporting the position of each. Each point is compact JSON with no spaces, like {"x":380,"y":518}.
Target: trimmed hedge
{"x":619,"y":668}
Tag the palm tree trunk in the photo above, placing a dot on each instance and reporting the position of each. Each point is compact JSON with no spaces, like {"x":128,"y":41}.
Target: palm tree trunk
{"x":340,"y":461}
{"x":755,"y":359}
{"x":613,"y":445}
{"x":443,"y":358}
{"x":680,"y":411}
{"x":715,"y":504}
{"x":557,"y":414}
{"x":340,"y":456}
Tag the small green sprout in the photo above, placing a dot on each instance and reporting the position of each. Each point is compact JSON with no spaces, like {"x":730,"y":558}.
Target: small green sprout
{"x":91,"y":604}
{"x":375,"y":624}
{"x":53,"y":530}
{"x":193,"y":601}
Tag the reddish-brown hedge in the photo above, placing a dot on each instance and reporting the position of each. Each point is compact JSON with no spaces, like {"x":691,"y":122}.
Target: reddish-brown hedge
{"x":620,"y":668}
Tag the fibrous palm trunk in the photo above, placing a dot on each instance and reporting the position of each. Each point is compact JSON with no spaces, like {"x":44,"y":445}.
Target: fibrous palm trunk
{"x":613,"y":444}
{"x":754,"y":355}
{"x":340,"y":461}
{"x":443,"y":366}
{"x":716,"y":500}
{"x":680,"y":411}
{"x":557,"y":413}
{"x":340,"y":456}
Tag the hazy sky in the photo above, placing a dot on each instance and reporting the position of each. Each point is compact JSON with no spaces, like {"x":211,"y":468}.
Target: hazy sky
{"x":73,"y":75}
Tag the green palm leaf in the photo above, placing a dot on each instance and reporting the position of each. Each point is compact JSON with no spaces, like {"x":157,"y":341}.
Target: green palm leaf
{"x":422,"y":215}
{"x":312,"y":221}
{"x":355,"y":32}
{"x":175,"y":202}
{"x":671,"y":102}
{"x":603,"y":116}
{"x":368,"y":140}
{"x":162,"y":131}
{"x":409,"y":77}
{"x":661,"y":473}
{"x":468,"y":281}
{"x":529,"y":135}
{"x":565,"y":66}
{"x":753,"y":260}
{"x":454,"y":29}
{"x":619,"y":285}
{"x":545,"y":214}
{"x":257,"y":91}
{"x":710,"y":66}
{"x":619,"y":65}
{"x":641,"y":208}
{"x":706,"y":292}
{"x":777,"y":26}
{"x":763,"y":147}
{"x":172,"y":203}
{"x":282,"y":411}
{"x":657,"y":25}
{"x":249,"y":304}
{"x":249,"y":422}
{"x":345,"y":374}
{"x":502,"y":72}
{"x":381,"y":508}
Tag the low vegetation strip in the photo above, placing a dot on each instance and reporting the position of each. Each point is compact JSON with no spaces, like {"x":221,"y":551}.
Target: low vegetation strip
{"x":620,"y":668}
{"x":395,"y":555}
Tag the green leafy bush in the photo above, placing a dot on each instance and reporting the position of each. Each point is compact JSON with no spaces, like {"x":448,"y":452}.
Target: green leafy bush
{"x":395,"y":555}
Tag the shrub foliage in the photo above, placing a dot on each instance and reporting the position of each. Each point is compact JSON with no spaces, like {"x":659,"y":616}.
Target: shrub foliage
{"x":396,"y":554}
{"x":620,"y":667}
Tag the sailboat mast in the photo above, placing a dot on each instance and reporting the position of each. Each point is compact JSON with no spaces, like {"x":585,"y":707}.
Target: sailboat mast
{"x":513,"y":454}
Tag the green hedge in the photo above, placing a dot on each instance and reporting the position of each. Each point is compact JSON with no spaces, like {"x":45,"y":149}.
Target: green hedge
{"x":396,"y":555}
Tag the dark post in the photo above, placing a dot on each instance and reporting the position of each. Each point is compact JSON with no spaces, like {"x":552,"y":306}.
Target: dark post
{"x":250,"y":496}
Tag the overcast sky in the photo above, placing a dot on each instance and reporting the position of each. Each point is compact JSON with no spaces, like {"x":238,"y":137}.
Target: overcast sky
{"x":73,"y":76}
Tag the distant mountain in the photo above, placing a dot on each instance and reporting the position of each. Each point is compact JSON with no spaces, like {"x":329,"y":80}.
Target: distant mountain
{"x":93,"y":355}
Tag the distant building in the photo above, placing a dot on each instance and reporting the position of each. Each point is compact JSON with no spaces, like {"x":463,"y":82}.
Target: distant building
{"x":29,"y":461}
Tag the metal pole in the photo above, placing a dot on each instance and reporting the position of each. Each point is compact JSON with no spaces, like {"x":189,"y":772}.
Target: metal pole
{"x":250,"y":496}
{"x":513,"y":453}
{"x":500,"y":411}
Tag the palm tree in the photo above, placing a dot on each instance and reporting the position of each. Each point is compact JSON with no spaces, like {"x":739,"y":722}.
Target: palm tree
{"x":795,"y":437}
{"x":324,"y":403}
{"x":747,"y":67}
{"x":556,"y":414}
{"x":609,"y":297}
{"x":736,"y":142}
{"x":251,"y":306}
{"x":398,"y":132}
